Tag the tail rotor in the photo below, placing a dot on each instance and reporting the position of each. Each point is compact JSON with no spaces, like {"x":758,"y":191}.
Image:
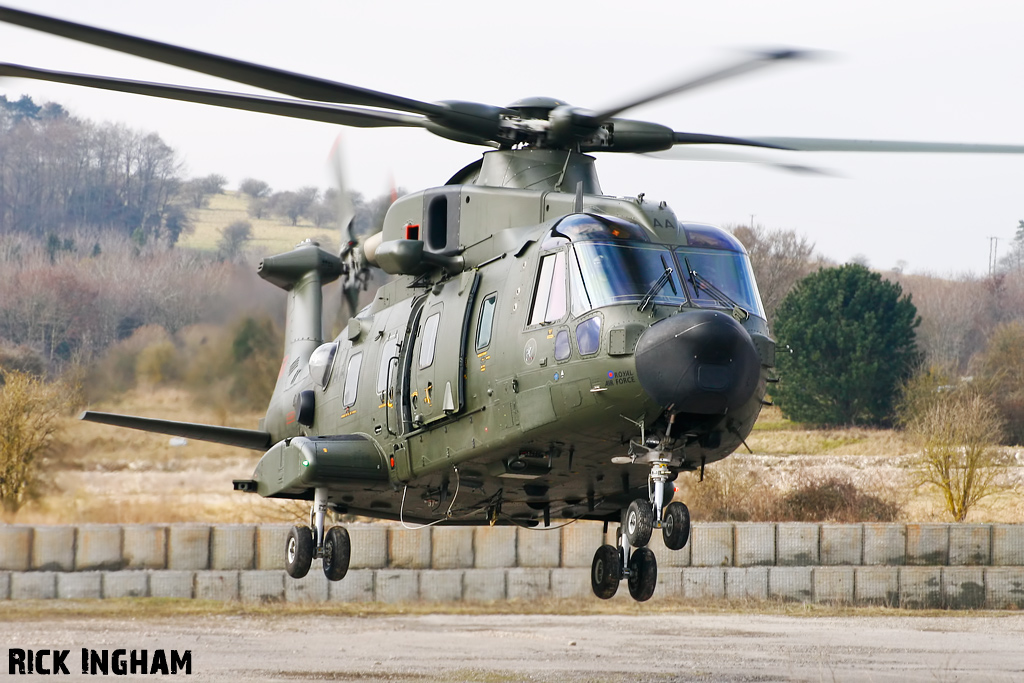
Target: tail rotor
{"x":355,"y":277}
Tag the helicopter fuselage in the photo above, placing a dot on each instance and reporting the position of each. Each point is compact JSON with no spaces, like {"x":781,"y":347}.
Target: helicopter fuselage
{"x":509,"y":386}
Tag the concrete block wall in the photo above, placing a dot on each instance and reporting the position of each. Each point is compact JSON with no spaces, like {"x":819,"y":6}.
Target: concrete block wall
{"x":916,"y":565}
{"x":907,"y":586}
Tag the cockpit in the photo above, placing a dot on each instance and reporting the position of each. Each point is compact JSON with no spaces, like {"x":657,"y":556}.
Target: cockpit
{"x":613,"y":261}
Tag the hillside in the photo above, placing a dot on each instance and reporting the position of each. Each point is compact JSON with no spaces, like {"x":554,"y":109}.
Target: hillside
{"x":271,"y":235}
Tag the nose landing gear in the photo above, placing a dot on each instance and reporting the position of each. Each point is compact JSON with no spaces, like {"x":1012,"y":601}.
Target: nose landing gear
{"x":640,"y":567}
{"x":305,"y":544}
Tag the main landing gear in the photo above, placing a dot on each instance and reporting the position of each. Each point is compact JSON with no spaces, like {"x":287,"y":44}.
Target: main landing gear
{"x":305,"y":544}
{"x":612,"y":564}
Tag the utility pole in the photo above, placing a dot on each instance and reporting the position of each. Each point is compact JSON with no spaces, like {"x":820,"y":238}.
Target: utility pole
{"x":993,"y":255}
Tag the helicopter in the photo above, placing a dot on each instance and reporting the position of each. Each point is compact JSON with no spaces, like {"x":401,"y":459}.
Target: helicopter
{"x":543,"y":351}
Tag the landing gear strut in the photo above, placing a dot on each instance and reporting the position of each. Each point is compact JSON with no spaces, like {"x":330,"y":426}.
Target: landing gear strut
{"x":640,"y":567}
{"x":305,"y":544}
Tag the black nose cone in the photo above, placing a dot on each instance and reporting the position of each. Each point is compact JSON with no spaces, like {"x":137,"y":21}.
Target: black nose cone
{"x":698,"y":362}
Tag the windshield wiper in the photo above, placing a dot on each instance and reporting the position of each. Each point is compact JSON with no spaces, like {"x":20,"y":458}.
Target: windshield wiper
{"x":718,"y":295}
{"x":655,"y":289}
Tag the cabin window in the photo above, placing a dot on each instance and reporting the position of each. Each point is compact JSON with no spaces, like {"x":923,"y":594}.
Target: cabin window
{"x":352,"y":379}
{"x":549,"y":300}
{"x":388,"y":363}
{"x":437,"y":223}
{"x":562,"y":346}
{"x":321,"y":362}
{"x":428,"y":340}
{"x":486,"y":323}
{"x":588,"y":336}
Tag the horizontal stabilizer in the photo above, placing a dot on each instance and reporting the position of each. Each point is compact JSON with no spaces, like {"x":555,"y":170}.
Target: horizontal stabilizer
{"x":229,"y":436}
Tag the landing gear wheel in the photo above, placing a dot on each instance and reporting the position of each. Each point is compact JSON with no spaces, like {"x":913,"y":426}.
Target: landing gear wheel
{"x":639,"y":523}
{"x":299,"y":551}
{"x":643,"y":574}
{"x":606,"y":571}
{"x":675,"y":526}
{"x":337,"y":551}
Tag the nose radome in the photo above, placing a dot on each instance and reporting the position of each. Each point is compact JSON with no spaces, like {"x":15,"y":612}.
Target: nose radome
{"x":698,"y":362}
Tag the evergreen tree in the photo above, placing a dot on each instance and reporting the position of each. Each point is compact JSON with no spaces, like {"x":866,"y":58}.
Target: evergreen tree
{"x":846,"y":344}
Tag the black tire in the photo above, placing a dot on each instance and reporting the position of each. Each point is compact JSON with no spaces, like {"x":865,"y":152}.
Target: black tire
{"x":337,"y":552}
{"x":643,"y":574}
{"x":675,"y":526}
{"x":299,"y":551}
{"x":639,"y":523}
{"x":606,"y":572}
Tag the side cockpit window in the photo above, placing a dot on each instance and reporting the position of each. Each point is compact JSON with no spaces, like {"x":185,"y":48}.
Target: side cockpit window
{"x":321,"y":363}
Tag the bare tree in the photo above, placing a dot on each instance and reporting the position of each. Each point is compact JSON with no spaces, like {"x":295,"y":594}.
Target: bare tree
{"x":199,"y":190}
{"x":957,"y":434}
{"x":954,"y":318}
{"x":58,"y":172}
{"x":254,"y":188}
{"x":233,"y":239}
{"x":779,"y":259}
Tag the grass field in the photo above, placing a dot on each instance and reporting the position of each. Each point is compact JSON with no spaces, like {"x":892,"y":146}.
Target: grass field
{"x":101,"y":474}
{"x":270,"y":235}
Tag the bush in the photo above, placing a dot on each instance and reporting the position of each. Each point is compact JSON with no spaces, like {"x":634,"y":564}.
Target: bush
{"x":158,"y":364}
{"x":846,"y":345}
{"x":835,"y":500}
{"x":731,"y":492}
{"x":957,"y":434}
{"x":118,"y":370}
{"x":29,"y":414}
{"x":21,"y":359}
{"x":237,"y":365}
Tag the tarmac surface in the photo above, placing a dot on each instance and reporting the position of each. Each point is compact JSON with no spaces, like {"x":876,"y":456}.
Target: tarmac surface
{"x":496,"y":648}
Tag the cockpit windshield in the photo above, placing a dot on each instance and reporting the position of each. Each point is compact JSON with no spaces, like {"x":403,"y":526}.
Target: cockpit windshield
{"x":606,"y":267}
{"x":707,"y":270}
{"x":627,"y":272}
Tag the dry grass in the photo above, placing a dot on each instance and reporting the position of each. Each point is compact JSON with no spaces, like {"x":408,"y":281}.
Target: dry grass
{"x":140,"y":609}
{"x":103,"y":474}
{"x":775,"y":435}
{"x":270,"y":235}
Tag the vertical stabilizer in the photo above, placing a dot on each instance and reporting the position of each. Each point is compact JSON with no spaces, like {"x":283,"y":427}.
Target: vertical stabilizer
{"x":301,"y":272}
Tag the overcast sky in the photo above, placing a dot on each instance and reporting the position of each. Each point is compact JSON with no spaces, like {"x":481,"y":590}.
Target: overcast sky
{"x":936,"y":70}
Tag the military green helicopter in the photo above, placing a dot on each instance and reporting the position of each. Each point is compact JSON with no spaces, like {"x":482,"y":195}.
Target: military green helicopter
{"x":543,"y":351}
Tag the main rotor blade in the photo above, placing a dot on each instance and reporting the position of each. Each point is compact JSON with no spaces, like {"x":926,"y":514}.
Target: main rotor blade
{"x":300,"y":109}
{"x":268,"y":78}
{"x":752,"y":63}
{"x":704,"y":139}
{"x":844,"y":145}
{"x":718,"y":154}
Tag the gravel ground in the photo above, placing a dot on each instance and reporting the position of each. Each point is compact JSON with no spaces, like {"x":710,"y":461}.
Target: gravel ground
{"x":566,"y":649}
